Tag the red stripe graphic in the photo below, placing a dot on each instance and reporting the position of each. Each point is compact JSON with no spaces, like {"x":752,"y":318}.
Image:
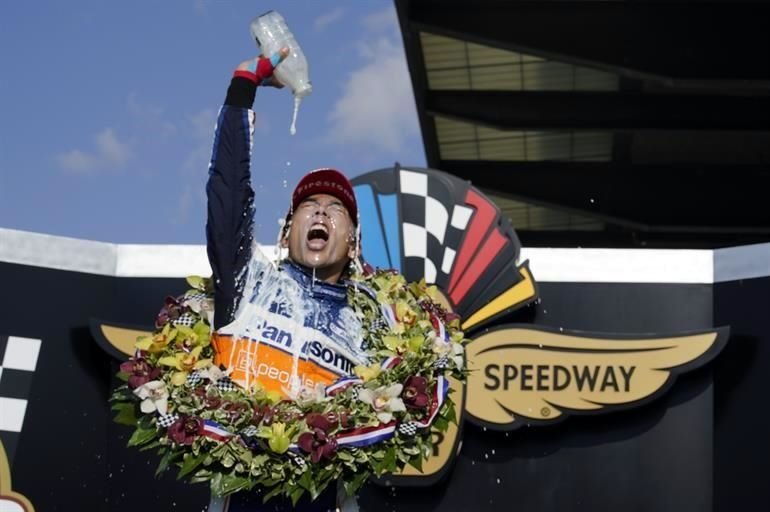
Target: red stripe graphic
{"x":491,"y":248}
{"x":475,"y":232}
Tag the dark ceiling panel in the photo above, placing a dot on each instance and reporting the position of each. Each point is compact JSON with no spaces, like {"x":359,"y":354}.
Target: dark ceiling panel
{"x":648,"y":197}
{"x":726,"y":43}
{"x":517,"y":110}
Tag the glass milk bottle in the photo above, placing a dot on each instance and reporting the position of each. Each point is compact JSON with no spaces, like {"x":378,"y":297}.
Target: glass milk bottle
{"x":272,"y":33}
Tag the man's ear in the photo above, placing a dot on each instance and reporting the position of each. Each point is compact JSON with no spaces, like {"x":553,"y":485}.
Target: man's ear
{"x":284,"y":242}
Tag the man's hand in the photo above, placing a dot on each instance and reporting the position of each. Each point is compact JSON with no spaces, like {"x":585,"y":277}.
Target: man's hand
{"x":263,"y":67}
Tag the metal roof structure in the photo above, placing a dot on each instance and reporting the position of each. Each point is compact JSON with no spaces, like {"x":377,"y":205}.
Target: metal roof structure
{"x":612,"y":123}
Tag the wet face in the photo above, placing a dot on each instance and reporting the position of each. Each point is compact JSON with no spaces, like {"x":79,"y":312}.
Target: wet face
{"x":322,"y":236}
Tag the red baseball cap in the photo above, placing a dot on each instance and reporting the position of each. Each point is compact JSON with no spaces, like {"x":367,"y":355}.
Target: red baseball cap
{"x":326,"y":181}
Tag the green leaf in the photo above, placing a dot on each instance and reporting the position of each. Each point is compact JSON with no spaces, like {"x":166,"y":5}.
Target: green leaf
{"x":196,"y":282}
{"x":440,"y":424}
{"x":126,"y":414}
{"x":142,"y":435}
{"x":274,"y":492}
{"x":232,"y":483}
{"x":190,"y":463}
{"x":306,"y":480}
{"x":122,"y":376}
{"x":352,"y":487}
{"x":150,"y":446}
{"x":296,"y":494}
{"x":416,"y":462}
{"x":451,"y":413}
{"x":165,"y":461}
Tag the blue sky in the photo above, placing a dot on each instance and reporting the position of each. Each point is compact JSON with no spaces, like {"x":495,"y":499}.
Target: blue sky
{"x":108,"y":110}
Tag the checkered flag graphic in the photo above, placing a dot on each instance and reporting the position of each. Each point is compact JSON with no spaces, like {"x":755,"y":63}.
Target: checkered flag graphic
{"x":166,"y":420}
{"x":195,"y":296}
{"x":441,"y":363}
{"x":298,"y":460}
{"x":225,"y":384}
{"x":18,"y":361}
{"x":433,"y":226}
{"x":408,"y":429}
{"x":250,"y":431}
{"x":186,"y":320}
{"x":194,"y":379}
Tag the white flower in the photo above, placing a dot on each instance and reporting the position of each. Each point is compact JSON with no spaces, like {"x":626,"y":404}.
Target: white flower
{"x":458,"y":355}
{"x":305,"y":396}
{"x":154,"y":396}
{"x":440,"y":345}
{"x":202,"y":306}
{"x":212,"y":373}
{"x":384,"y":400}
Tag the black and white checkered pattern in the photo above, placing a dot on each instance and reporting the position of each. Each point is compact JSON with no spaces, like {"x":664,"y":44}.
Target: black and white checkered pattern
{"x":18,"y":361}
{"x":441,"y":363}
{"x":166,"y":420}
{"x":432,"y":225}
{"x":408,"y":429}
{"x":194,"y":379}
{"x":250,"y":431}
{"x":186,"y":320}
{"x":379,"y":323}
{"x":225,"y":384}
{"x":194,"y":296}
{"x":297,"y":459}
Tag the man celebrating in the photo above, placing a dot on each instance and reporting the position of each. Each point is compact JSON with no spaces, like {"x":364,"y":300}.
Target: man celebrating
{"x":284,"y":328}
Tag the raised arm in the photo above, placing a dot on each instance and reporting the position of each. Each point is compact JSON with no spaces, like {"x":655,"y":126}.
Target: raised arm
{"x":230,"y":197}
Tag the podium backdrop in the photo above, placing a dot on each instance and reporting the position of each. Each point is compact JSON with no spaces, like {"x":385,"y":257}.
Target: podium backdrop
{"x":703,"y":445}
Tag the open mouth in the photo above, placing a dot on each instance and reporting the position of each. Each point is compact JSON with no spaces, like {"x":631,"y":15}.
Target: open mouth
{"x":317,"y":236}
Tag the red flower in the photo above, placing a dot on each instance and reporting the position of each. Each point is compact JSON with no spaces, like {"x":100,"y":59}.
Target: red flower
{"x":185,"y":429}
{"x":318,"y":444}
{"x":320,"y":421}
{"x":415,"y":392}
{"x":338,"y":419}
{"x":172,"y":309}
{"x":263,"y":414}
{"x":139,"y":372}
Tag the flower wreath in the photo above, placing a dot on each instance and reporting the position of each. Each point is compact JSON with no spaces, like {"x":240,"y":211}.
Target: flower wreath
{"x":373,"y":422}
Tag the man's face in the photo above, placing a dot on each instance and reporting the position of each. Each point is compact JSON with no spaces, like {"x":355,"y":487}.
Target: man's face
{"x":322,"y":236}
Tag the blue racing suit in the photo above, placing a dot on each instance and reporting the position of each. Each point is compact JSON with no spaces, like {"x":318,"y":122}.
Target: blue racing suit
{"x":274,"y":324}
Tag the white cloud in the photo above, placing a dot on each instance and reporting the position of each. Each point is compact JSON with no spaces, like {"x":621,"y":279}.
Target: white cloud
{"x":108,"y":153}
{"x":327,"y":19}
{"x":150,"y":118}
{"x":377,"y":109}
{"x":386,"y":19}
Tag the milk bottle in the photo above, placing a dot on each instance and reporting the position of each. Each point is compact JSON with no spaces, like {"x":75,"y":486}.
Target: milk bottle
{"x":272,"y":33}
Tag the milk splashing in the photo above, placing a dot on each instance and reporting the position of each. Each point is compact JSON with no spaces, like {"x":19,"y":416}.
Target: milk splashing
{"x":293,"y":129}
{"x":264,"y":289}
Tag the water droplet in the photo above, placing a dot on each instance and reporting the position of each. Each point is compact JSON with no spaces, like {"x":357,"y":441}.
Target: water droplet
{"x":486,"y":455}
{"x":285,"y":183}
{"x":545,"y":311}
{"x":561,"y":329}
{"x":288,"y":164}
{"x":498,"y":481}
{"x":484,"y":429}
{"x":493,"y":451}
{"x":592,"y":200}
